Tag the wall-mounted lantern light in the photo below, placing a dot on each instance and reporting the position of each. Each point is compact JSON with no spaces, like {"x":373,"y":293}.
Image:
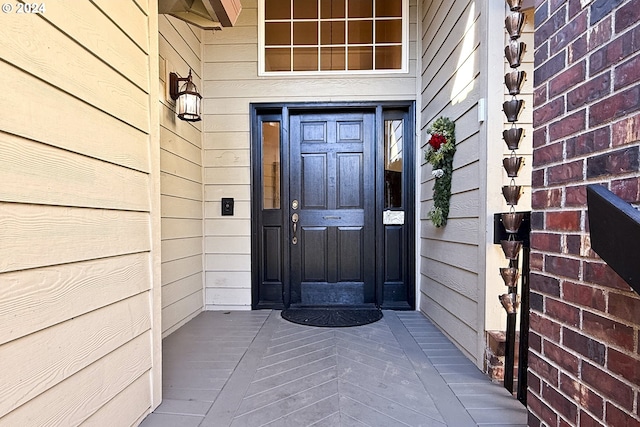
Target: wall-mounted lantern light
{"x":187,"y":98}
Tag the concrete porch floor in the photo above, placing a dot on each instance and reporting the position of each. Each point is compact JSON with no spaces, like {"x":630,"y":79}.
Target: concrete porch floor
{"x":252,"y":368}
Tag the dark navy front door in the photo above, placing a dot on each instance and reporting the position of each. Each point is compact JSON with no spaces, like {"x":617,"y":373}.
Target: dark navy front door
{"x":331,"y":210}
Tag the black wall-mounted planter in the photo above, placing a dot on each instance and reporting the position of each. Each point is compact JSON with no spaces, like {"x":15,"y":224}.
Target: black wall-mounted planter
{"x":615,"y":233}
{"x":500,"y":233}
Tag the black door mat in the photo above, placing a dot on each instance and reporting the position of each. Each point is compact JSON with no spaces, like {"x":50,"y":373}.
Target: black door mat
{"x":332,"y":317}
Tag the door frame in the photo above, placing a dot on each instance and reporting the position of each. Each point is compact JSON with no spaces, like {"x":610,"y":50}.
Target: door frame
{"x":282,"y":280}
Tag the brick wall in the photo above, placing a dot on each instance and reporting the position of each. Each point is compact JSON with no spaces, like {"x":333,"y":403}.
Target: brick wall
{"x":585,"y":320}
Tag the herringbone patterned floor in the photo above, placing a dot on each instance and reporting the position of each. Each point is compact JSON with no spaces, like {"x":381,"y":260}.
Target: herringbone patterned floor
{"x":357,"y":376}
{"x":246,"y":369}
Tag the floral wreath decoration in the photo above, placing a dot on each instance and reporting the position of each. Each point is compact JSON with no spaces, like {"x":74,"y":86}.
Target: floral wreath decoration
{"x":440,"y":150}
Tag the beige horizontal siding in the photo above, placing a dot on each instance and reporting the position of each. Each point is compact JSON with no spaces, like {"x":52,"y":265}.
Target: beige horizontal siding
{"x":76,"y":214}
{"x":451,"y":86}
{"x":181,"y":184}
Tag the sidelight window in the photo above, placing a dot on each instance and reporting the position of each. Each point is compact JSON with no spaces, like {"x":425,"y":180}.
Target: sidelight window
{"x":271,"y":165}
{"x":393,"y":151}
{"x":333,"y":36}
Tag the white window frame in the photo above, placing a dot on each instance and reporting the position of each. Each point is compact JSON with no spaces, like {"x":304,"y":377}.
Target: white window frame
{"x":404,"y":69}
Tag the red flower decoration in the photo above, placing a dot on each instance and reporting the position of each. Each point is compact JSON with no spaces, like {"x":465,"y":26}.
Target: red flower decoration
{"x":437,"y":140}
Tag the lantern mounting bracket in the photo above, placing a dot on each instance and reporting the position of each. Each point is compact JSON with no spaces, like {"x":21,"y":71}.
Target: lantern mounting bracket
{"x":174,"y":84}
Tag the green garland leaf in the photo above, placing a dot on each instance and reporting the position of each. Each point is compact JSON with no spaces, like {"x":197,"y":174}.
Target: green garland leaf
{"x":442,"y":159}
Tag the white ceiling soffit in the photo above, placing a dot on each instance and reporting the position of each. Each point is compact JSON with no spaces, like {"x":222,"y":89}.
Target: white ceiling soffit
{"x":206,"y":14}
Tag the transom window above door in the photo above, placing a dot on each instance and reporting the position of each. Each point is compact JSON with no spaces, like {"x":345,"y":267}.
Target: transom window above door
{"x":332,"y":36}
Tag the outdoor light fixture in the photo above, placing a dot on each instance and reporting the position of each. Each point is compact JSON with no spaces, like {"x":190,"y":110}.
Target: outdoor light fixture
{"x":187,"y":98}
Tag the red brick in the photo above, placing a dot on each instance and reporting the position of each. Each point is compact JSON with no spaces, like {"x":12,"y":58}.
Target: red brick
{"x":611,"y":387}
{"x":627,"y":15}
{"x":623,"y":365}
{"x":541,"y":11}
{"x":545,"y":30}
{"x":541,"y":410}
{"x":539,"y":137}
{"x":586,"y":420}
{"x":533,"y":382}
{"x":627,"y":73}
{"x":536,"y":261}
{"x":614,"y":163}
{"x":563,"y":220}
{"x":563,"y":423}
{"x":610,"y":54}
{"x":549,"y":111}
{"x":542,"y":7}
{"x":544,"y":369}
{"x":565,"y":360}
{"x":602,"y":9}
{"x":584,"y":295}
{"x":619,"y":418}
{"x":587,"y":251}
{"x":535,"y":342}
{"x":625,"y":307}
{"x":563,"y":312}
{"x":568,"y":33}
{"x":539,"y":96}
{"x":561,"y":266}
{"x":600,"y":34}
{"x":544,"y":284}
{"x":576,"y":196}
{"x":592,"y":90}
{"x":635,"y":34}
{"x":582,"y":394}
{"x":536,"y":302}
{"x":577,"y":50}
{"x":532,"y":420}
{"x":613,"y":107}
{"x":626,"y":131}
{"x":560,"y":403}
{"x":608,"y":331}
{"x":537,"y":220}
{"x":575,"y":7}
{"x":548,"y":154}
{"x":567,"y":172}
{"x":627,"y":189}
{"x":573,"y":245}
{"x":568,"y":125}
{"x":541,"y":53}
{"x":601,"y":274}
{"x":555,"y":4}
{"x":589,"y":143}
{"x":588,"y":347}
{"x":545,"y":326}
{"x":548,"y":69}
{"x":567,"y":79}
{"x":546,"y":198}
{"x":547,"y":242}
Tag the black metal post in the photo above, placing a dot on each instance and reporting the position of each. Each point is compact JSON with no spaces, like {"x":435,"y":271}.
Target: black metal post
{"x":510,"y":343}
{"x":523,"y":358}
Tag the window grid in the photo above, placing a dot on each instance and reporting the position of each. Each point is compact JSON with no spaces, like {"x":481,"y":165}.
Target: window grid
{"x":374,"y":45}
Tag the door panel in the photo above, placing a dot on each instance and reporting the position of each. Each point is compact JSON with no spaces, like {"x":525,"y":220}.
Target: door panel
{"x":332,"y":172}
{"x":350,"y":254}
{"x":272,"y":255}
{"x":313,"y":245}
{"x":349,"y":177}
{"x":314,"y":181}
